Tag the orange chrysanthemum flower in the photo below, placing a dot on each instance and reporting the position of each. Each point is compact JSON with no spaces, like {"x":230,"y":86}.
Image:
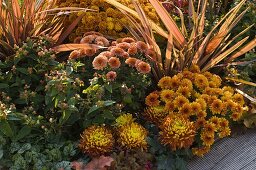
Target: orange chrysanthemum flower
{"x":177,"y":132}
{"x":131,"y":61}
{"x":169,"y":106}
{"x":152,"y":99}
{"x":100,"y":62}
{"x":201,"y":114}
{"x":143,"y":67}
{"x":200,"y":122}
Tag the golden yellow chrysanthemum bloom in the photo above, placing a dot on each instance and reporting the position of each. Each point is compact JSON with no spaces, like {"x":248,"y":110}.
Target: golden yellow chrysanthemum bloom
{"x":124,"y":119}
{"x":167,"y":95}
{"x":177,"y":132}
{"x":106,"y":19}
{"x":152,"y":99}
{"x":201,"y":151}
{"x":201,"y":81}
{"x":165,"y":82}
{"x":155,"y":114}
{"x":96,"y":140}
{"x":132,"y":136}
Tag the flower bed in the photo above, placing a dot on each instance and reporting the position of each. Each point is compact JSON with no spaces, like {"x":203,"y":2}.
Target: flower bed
{"x":108,"y":101}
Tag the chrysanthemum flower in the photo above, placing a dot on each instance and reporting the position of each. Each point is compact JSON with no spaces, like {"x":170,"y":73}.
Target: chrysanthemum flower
{"x":238,"y":98}
{"x":202,"y":102}
{"x":188,"y":75}
{"x":175,"y":81}
{"x":208,"y":139}
{"x":116,"y":51}
{"x":187,"y":83}
{"x":185,"y":110}
{"x":207,"y":74}
{"x":194,"y":68}
{"x":235,"y":116}
{"x":177,"y":132}
{"x":201,"y":114}
{"x":131,"y":61}
{"x":132,"y":50}
{"x":124,"y":45}
{"x":223,"y":123}
{"x":100,"y":62}
{"x":170,"y":106}
{"x":128,"y":40}
{"x":226,"y":96}
{"x":152,"y":99}
{"x":143,"y":67}
{"x":179,"y":101}
{"x":216,"y":106}
{"x":111,"y":75}
{"x":216,"y":80}
{"x":132,"y":136}
{"x":209,"y":128}
{"x":167,"y":95}
{"x":96,"y":140}
{"x":88,"y":51}
{"x":142,"y":47}
{"x":224,"y":132}
{"x":215,"y":121}
{"x":114,"y":62}
{"x":184,"y":90}
{"x":201,"y":151}
{"x":165,"y":82}
{"x":124,"y":119}
{"x":201,"y":81}
{"x":155,"y":114}
{"x":205,"y":97}
{"x":228,"y":88}
{"x":196,"y":108}
{"x":74,"y":54}
{"x":200,"y":122}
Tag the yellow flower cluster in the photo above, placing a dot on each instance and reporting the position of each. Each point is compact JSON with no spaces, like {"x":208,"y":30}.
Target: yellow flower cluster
{"x":98,"y":140}
{"x":106,"y":19}
{"x":199,"y":97}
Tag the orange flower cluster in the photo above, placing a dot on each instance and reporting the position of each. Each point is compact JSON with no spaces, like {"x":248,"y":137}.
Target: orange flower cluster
{"x":192,"y":97}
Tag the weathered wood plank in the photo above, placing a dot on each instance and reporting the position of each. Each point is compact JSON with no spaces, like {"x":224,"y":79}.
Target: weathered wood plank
{"x":234,"y":153}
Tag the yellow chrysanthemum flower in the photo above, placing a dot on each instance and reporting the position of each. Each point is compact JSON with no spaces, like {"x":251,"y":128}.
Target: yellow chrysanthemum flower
{"x":209,"y":128}
{"x":224,"y":132}
{"x":179,"y":101}
{"x":196,"y":108}
{"x":132,"y":136}
{"x":167,"y":95}
{"x":194,"y":69}
{"x":184,"y":90}
{"x":215,"y":81}
{"x":175,"y":81}
{"x":202,"y":102}
{"x":215,"y":120}
{"x":200,"y":122}
{"x":201,"y":151}
{"x":187,"y":83}
{"x":201,"y":81}
{"x":228,"y":88}
{"x":155,"y":114}
{"x":124,"y":119}
{"x":177,"y":132}
{"x":238,"y":98}
{"x":169,"y":106}
{"x":185,"y":110}
{"x":216,"y":106}
{"x":165,"y":82}
{"x":96,"y":140}
{"x":208,"y":139}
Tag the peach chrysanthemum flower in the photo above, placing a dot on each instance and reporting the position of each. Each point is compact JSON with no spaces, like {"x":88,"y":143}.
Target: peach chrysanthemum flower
{"x":88,"y":51}
{"x":116,"y":51}
{"x":111,"y":75}
{"x":124,"y":45}
{"x":131,"y":61}
{"x":132,"y":50}
{"x":143,"y":67}
{"x":142,"y":47}
{"x":74,"y":54}
{"x":128,"y":40}
{"x":100,"y":62}
{"x":114,"y":62}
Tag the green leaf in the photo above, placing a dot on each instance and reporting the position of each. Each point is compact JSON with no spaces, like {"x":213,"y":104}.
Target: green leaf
{"x":127,"y":98}
{"x":109,"y":102}
{"x":6,"y":128}
{"x":93,"y":108}
{"x":23,"y":133}
{"x":3,"y":85}
{"x":25,"y":147}
{"x":1,"y":153}
{"x":64,"y":117}
{"x":109,"y":88}
{"x":22,"y":70}
{"x":108,"y":115}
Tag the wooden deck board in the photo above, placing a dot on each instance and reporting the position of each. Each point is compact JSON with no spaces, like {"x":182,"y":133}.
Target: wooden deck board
{"x":233,"y":153}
